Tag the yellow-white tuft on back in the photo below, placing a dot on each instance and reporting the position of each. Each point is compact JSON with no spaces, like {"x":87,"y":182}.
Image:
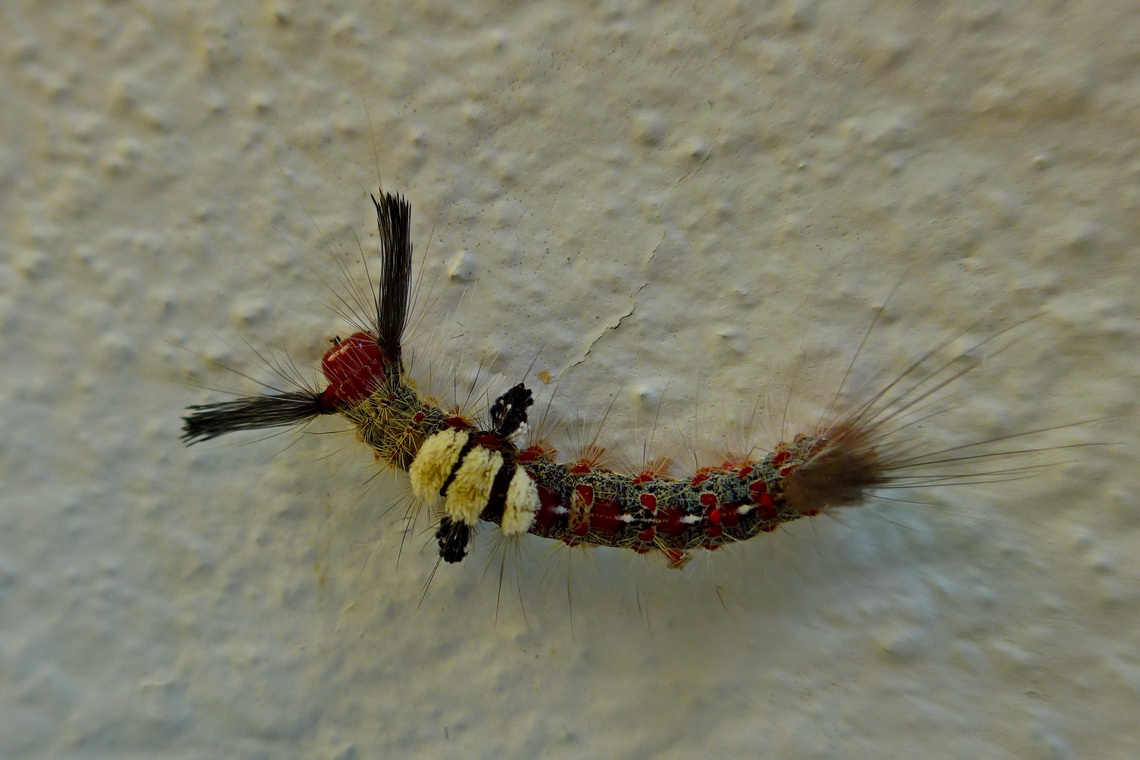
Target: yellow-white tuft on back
{"x":520,"y":505}
{"x":434,"y":462}
{"x":470,"y":489}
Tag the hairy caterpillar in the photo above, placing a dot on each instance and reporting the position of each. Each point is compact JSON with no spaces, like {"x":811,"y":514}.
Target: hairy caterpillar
{"x":478,"y":471}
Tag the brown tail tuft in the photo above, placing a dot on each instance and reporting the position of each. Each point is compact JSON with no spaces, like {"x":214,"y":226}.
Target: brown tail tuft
{"x":841,"y":471}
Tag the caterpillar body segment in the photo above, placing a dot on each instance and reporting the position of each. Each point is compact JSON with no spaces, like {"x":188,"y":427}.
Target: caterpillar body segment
{"x":476,"y":474}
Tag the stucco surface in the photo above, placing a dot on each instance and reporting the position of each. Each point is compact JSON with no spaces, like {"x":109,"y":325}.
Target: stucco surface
{"x":694,"y":211}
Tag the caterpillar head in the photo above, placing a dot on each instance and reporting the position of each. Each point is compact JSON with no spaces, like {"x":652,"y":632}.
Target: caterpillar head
{"x":354,"y":367}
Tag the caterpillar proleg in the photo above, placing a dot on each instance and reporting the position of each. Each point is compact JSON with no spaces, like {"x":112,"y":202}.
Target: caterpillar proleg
{"x":481,"y":472}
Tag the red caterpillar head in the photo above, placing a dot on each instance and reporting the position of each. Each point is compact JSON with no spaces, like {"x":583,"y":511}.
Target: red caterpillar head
{"x":354,"y":367}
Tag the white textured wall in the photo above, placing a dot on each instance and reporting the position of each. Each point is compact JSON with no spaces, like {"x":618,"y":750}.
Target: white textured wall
{"x":743,"y":183}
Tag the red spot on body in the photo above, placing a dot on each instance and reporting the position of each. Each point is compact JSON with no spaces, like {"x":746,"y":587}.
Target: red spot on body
{"x":354,"y":367}
{"x":780,"y":457}
{"x":768,"y":527}
{"x":604,"y":516}
{"x":712,"y":514}
{"x":787,"y":471}
{"x":654,"y":469}
{"x":676,"y":557}
{"x":646,"y":536}
{"x":763,"y":499}
{"x":535,"y":452}
{"x":767,"y":507}
{"x":591,"y":458}
{"x":730,"y":515}
{"x":648,"y":501}
{"x":545,"y":517}
{"x":744,"y":471}
{"x":669,"y":521}
{"x":489,"y":441}
{"x":585,"y":493}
